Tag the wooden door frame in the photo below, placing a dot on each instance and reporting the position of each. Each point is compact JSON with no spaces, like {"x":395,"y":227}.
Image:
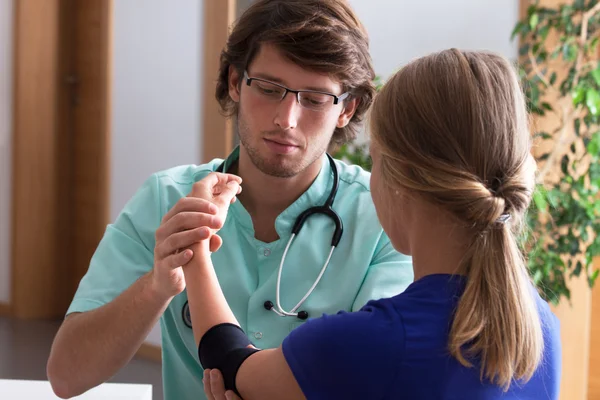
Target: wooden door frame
{"x":47,"y":187}
{"x":41,"y":263}
{"x":217,"y":131}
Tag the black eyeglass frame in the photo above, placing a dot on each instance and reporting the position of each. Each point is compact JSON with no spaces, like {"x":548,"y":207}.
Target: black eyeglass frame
{"x":336,"y":99}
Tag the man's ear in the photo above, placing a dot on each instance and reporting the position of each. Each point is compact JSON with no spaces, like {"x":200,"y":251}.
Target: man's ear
{"x":234,"y":84}
{"x":347,"y":113}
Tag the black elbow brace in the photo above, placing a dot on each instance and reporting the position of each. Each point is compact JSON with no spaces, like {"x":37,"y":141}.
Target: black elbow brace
{"x":225,"y":347}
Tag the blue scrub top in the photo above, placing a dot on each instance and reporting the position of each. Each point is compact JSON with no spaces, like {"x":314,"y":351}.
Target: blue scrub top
{"x":364,"y":266}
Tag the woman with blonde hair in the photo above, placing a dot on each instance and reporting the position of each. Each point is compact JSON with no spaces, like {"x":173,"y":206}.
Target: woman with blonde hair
{"x":451,"y":181}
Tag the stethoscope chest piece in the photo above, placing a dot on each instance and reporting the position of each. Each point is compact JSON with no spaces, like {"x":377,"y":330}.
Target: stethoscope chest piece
{"x":185,"y":315}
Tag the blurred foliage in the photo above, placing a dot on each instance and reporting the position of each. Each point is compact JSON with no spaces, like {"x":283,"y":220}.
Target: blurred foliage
{"x":561,"y":78}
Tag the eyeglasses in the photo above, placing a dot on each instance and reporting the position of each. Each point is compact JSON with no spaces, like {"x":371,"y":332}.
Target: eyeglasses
{"x":310,"y":99}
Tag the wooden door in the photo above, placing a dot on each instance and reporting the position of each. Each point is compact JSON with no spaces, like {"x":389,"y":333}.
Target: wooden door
{"x":60,"y":148}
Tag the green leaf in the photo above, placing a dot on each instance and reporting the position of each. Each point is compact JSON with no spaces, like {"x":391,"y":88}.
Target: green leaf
{"x":539,"y":199}
{"x":519,"y":29}
{"x":543,"y":32}
{"x":538,"y":276}
{"x":543,"y":135}
{"x":575,"y":249}
{"x":578,"y":95}
{"x":594,"y":44}
{"x":592,"y":278}
{"x":547,"y":106}
{"x":544,"y":157}
{"x":553,"y":78}
{"x":593,"y":146}
{"x":592,"y":101}
{"x":596,"y":75}
{"x":533,"y":20}
{"x":564,"y":165}
{"x":577,"y":269}
{"x":584,"y":234}
{"x":569,"y":52}
{"x":534,"y":95}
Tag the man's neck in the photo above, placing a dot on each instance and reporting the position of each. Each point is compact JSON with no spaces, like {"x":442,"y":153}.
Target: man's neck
{"x":265,"y":196}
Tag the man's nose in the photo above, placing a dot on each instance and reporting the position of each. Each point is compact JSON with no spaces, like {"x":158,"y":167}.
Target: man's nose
{"x":288,"y":112}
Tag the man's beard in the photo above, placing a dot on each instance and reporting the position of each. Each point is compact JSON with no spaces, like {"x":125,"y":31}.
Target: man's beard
{"x":279,"y":167}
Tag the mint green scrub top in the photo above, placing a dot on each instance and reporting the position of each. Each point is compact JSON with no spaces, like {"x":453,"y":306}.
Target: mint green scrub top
{"x":364,"y":265}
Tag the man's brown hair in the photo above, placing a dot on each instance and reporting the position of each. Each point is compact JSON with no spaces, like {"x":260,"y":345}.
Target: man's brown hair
{"x":324,"y":36}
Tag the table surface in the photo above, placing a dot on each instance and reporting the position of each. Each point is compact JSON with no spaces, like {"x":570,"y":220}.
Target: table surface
{"x":11,"y":389}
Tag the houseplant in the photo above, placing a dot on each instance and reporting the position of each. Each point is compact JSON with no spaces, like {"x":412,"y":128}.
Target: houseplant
{"x":561,"y":78}
{"x":558,"y":66}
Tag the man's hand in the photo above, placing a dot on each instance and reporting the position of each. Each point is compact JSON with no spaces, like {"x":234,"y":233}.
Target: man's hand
{"x":214,"y":386}
{"x":219,"y":189}
{"x":193,"y":219}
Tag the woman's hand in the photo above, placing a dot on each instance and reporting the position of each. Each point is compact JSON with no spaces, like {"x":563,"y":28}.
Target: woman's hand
{"x":214,"y":386}
{"x":219,"y":189}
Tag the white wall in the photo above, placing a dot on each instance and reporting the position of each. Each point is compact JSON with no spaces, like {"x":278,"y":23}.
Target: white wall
{"x":6,"y":110}
{"x":400,"y":30}
{"x":156,"y":93}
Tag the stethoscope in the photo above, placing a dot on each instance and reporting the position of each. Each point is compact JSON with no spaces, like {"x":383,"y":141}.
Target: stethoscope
{"x":325,"y":209}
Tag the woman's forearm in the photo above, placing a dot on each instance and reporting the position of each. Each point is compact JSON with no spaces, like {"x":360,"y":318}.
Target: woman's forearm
{"x":208,"y":306}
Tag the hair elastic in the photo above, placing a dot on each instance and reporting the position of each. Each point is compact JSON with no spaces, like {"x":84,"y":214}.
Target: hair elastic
{"x":504,"y":218}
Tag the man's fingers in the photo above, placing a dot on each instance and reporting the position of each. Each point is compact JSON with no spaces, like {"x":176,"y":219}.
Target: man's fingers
{"x":181,"y":240}
{"x":217,"y":384}
{"x":191,"y":204}
{"x":229,"y":395}
{"x":178,"y":259}
{"x":215,"y":243}
{"x":207,"y":387}
{"x":188,"y":220}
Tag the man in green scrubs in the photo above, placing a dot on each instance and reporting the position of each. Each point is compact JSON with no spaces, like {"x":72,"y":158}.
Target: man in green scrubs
{"x":296,"y":77}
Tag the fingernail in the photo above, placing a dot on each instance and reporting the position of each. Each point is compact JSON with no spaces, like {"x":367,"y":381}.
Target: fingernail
{"x":188,"y":253}
{"x":232,"y":183}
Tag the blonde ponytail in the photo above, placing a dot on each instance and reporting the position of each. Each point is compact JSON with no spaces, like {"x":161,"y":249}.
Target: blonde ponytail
{"x":496,"y":320}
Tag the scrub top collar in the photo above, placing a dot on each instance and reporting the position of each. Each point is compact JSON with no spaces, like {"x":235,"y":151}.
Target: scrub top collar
{"x":315,"y":195}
